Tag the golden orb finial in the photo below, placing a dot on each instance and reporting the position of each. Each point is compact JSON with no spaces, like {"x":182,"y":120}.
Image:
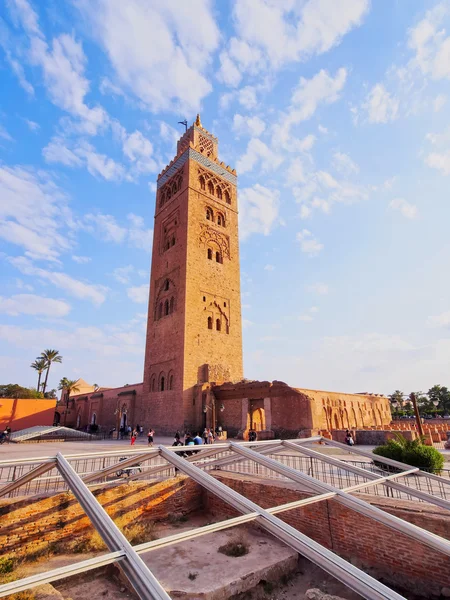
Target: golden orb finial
{"x":197,"y":120}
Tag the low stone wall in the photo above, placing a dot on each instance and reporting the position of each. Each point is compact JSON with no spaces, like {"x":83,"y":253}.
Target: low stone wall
{"x":30,"y":525}
{"x":378,"y":549}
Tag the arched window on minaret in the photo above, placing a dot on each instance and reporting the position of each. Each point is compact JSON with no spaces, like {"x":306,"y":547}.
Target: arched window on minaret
{"x":209,"y":322}
{"x":163,"y":382}
{"x":210,"y":253}
{"x":219,"y":193}
{"x":209,"y":214}
{"x":211,"y":188}
{"x":218,"y":324}
{"x":219,"y":257}
{"x":227,"y":197}
{"x":202,"y":182}
{"x":166,"y":308}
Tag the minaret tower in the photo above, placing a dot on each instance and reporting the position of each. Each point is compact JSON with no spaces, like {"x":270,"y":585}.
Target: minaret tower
{"x":194,"y":331}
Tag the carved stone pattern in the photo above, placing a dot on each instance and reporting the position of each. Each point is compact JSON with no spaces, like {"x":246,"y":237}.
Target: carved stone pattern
{"x":208,"y":234}
{"x":215,"y":180}
{"x":219,"y":372}
{"x":205,"y":145}
{"x":172,"y":187}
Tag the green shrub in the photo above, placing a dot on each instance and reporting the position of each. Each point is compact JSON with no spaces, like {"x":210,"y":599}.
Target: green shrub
{"x":411,"y":452}
{"x":7,"y":565}
{"x":391,"y":449}
{"x":425,"y":457}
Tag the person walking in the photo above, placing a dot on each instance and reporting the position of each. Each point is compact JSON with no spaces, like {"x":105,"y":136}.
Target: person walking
{"x":205,"y":436}
{"x":210,"y":437}
{"x":133,"y":437}
{"x":150,"y":436}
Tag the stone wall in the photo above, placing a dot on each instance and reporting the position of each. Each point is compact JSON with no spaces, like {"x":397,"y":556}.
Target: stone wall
{"x":30,"y":526}
{"x":23,"y":413}
{"x":376,"y":548}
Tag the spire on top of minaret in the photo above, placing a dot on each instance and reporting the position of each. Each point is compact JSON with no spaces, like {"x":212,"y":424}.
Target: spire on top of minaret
{"x":197,"y":121}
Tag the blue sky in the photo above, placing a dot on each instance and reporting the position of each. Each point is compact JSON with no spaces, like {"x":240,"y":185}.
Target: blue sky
{"x":336,"y":116}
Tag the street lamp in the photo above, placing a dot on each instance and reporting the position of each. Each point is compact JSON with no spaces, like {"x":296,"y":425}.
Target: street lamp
{"x":212,"y":408}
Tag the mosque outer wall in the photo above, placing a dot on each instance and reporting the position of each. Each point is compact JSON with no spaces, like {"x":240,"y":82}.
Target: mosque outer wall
{"x":288,"y":411}
{"x":276,"y":406}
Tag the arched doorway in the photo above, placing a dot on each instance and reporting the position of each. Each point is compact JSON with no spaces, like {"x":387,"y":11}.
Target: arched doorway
{"x":94,"y":419}
{"x":336,"y":422}
{"x":56,"y":419}
{"x":258,"y":420}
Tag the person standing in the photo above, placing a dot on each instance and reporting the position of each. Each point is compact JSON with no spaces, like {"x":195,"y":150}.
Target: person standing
{"x":150,"y":436}
{"x":133,"y":437}
{"x":210,"y":437}
{"x":205,"y":436}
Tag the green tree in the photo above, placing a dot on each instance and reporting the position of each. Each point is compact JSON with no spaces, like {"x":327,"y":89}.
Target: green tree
{"x":40,"y":366}
{"x":67,"y":387}
{"x":50,"y":356}
{"x":441,"y":394}
{"x":14,"y":390}
{"x":397,"y":396}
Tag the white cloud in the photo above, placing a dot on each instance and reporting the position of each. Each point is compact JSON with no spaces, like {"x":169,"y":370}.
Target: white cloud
{"x":30,"y":204}
{"x":21,"y":285}
{"x":4,"y":134}
{"x":100,"y":164}
{"x":309,"y":94}
{"x":439,"y":161}
{"x":138,"y":235}
{"x":252,"y":126}
{"x":308,"y":243}
{"x":407,"y":209}
{"x":81,"y":260}
{"x":319,"y":288}
{"x":319,"y":190}
{"x":275,"y":33}
{"x":306,"y":318}
{"x":135,"y":232}
{"x":32,"y":125}
{"x":73,"y":287}
{"x":138,"y":294}
{"x":57,"y":151}
{"x":431,"y":44}
{"x":107,"y":225}
{"x":159,"y":51}
{"x":442,"y":320}
{"x":123,"y":274}
{"x":269,"y":268}
{"x":344,"y":164}
{"x":63,"y":67}
{"x":258,"y":210}
{"x":139,"y":150}
{"x":439,"y":102}
{"x":322,"y":129}
{"x":258,"y":153}
{"x":380,"y":105}
{"x":30,"y":304}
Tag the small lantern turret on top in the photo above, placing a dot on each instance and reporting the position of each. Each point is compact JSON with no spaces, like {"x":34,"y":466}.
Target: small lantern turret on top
{"x":201,"y":140}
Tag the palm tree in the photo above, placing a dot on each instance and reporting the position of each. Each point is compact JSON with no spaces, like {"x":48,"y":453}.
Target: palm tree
{"x":50,"y":356}
{"x":40,"y":365}
{"x":69,"y":386}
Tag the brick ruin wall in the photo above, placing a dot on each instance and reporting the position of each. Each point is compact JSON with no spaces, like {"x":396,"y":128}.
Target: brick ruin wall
{"x":30,"y":526}
{"x":379,"y":550}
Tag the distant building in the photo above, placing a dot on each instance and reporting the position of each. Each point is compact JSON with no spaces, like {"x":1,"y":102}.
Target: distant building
{"x":193,"y":371}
